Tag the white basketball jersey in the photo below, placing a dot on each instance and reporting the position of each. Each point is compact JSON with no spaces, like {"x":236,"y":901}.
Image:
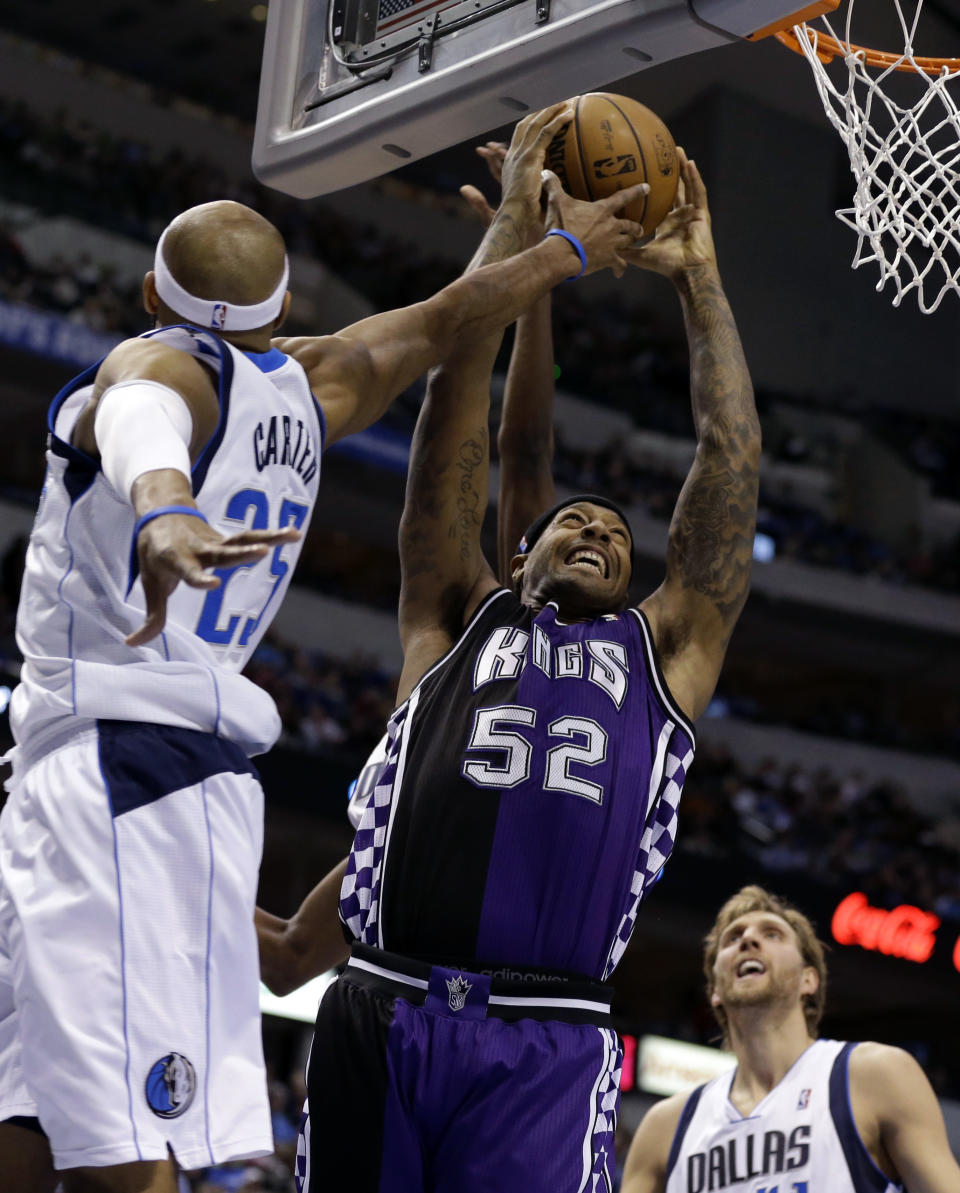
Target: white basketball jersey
{"x":260,"y":470}
{"x":361,"y":789}
{"x":800,"y":1139}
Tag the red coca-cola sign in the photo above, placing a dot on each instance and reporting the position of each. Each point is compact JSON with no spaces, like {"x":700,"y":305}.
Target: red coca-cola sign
{"x":628,"y":1074}
{"x":905,"y":931}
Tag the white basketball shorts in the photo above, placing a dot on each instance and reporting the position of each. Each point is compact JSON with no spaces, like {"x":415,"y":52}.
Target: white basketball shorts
{"x":129,"y":977}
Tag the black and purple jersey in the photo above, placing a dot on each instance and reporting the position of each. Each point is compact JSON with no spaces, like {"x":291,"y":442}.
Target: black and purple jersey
{"x":528,"y":799}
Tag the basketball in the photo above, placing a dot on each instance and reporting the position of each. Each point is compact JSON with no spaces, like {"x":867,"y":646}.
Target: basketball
{"x":612,"y":143}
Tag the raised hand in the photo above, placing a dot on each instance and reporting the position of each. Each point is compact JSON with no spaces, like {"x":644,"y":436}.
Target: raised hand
{"x":178,"y":548}
{"x":523,"y":162}
{"x":605,"y":234}
{"x":684,"y":239}
{"x":493,"y":154}
{"x":518,"y":168}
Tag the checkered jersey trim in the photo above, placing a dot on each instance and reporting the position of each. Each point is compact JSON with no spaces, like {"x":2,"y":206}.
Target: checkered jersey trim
{"x":658,"y":838}
{"x":301,"y":1172}
{"x":363,"y":786}
{"x":360,"y":892}
{"x":599,"y":1162}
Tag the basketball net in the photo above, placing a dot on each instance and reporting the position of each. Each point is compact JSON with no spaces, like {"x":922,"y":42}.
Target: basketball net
{"x":904,"y":155}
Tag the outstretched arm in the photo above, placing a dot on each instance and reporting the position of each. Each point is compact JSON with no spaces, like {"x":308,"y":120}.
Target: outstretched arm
{"x":309,"y":943}
{"x":152,"y":411}
{"x":525,"y":438}
{"x":444,"y":573}
{"x":898,"y":1118}
{"x":710,"y":547}
{"x":358,"y":372}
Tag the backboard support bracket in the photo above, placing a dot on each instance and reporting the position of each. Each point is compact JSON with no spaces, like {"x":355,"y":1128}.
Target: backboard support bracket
{"x":425,"y":52}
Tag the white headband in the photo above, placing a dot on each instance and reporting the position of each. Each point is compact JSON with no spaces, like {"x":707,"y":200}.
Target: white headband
{"x":209,"y":312}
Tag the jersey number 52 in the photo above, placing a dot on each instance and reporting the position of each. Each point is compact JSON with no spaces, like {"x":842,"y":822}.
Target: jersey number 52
{"x":582,"y":743}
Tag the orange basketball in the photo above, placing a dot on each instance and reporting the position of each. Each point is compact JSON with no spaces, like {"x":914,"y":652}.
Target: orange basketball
{"x":614,"y":142}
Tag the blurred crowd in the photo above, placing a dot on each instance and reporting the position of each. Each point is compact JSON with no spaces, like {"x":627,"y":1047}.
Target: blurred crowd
{"x":83,"y":291}
{"x":834,"y":829}
{"x":796,"y":532}
{"x":326,"y":705}
{"x":67,"y":166}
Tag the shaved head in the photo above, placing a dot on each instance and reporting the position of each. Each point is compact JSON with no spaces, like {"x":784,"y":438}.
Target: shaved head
{"x":226,"y":252}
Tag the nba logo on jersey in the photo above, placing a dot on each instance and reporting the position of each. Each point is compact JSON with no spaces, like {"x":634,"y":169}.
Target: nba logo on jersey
{"x":459,"y":989}
{"x":804,"y":1100}
{"x":219,"y":316}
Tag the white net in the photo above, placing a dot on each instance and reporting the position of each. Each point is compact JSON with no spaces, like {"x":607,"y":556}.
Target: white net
{"x":901,"y":127}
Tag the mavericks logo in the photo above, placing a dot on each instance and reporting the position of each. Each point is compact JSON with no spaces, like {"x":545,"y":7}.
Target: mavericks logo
{"x":170,"y":1086}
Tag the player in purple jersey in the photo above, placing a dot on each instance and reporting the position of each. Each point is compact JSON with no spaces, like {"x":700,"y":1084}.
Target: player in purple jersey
{"x":152,"y":412}
{"x":798,"y":1113}
{"x":528,"y":797}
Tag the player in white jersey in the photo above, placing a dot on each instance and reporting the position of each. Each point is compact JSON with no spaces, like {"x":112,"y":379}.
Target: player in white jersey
{"x":130,"y":844}
{"x":797,"y":1114}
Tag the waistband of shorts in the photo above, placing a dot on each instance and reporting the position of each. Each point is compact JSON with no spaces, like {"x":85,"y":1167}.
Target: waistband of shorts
{"x":509,"y":992}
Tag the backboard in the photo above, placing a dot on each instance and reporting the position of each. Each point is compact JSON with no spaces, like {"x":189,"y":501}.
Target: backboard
{"x":351,"y":89}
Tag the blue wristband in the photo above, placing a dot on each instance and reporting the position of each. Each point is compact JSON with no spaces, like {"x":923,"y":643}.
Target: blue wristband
{"x":186,"y":510}
{"x":577,"y":246}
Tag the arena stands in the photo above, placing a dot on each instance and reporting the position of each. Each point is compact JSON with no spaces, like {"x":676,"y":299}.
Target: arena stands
{"x":611,"y":352}
{"x":817,"y":830}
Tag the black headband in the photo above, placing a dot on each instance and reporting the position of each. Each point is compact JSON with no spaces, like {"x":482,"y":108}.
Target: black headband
{"x":539,"y":525}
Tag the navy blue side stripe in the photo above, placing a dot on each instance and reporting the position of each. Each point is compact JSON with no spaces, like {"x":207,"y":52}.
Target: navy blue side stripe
{"x":209,"y":345}
{"x":689,"y":1110}
{"x":143,"y":763}
{"x":865,"y":1175}
{"x":81,"y":469}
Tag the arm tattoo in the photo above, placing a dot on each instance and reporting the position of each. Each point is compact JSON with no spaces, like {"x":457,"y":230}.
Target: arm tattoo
{"x":446,"y":501}
{"x":712,"y":531}
{"x":471,"y":456}
{"x":504,"y":238}
{"x":446,"y":496}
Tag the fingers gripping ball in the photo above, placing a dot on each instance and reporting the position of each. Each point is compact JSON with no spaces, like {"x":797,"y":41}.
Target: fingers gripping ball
{"x":614,"y":142}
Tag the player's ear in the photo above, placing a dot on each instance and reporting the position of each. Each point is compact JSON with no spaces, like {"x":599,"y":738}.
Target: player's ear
{"x":516,"y":570}
{"x":809,"y":981}
{"x":151,"y":300}
{"x":715,"y":999}
{"x":284,"y":312}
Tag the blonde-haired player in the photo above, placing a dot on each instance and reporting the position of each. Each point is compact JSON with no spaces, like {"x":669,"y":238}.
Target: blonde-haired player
{"x":798,"y":1114}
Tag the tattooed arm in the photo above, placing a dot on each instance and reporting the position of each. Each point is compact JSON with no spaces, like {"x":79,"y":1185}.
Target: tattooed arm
{"x":444,"y":574}
{"x":710,"y":547}
{"x":525,"y":438}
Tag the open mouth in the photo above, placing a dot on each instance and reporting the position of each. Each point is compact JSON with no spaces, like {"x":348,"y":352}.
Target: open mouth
{"x":750,"y":966}
{"x":590,"y":561}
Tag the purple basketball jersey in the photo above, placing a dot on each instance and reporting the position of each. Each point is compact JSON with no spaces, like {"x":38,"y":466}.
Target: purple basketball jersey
{"x":528,"y":799}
